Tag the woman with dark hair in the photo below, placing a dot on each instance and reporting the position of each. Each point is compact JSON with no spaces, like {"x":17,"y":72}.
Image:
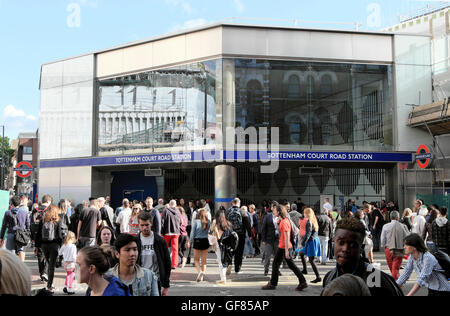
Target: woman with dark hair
{"x":430,"y":273}
{"x":92,"y":264}
{"x":221,"y":229}
{"x":105,"y":236}
{"x":427,"y":237}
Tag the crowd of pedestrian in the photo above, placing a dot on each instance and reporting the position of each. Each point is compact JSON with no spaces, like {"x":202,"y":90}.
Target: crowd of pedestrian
{"x":132,"y":250}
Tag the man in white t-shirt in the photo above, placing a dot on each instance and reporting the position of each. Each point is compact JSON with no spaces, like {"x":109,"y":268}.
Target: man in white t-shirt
{"x":154,"y":253}
{"x":327,"y":205}
{"x":123,"y":220}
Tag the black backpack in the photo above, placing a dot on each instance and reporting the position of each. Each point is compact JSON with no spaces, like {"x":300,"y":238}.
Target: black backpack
{"x":444,"y":261}
{"x":235,"y":218}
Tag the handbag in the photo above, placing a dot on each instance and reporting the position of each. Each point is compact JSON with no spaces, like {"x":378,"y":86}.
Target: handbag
{"x":21,"y":237}
{"x":212,"y":240}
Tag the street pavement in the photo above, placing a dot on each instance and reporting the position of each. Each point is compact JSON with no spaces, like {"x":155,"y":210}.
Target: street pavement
{"x":246,"y":284}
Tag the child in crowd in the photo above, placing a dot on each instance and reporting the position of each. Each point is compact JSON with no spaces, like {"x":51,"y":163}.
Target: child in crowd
{"x":69,"y":253}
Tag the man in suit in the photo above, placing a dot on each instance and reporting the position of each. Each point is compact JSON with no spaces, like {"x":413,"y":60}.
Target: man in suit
{"x":269,"y":237}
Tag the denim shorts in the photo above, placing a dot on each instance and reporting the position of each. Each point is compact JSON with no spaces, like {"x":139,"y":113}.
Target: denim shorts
{"x":11,"y":244}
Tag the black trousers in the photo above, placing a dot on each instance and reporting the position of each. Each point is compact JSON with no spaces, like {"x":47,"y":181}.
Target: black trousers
{"x":438,"y":293}
{"x":279,"y":256}
{"x":42,"y":264}
{"x":51,"y":254}
{"x":239,"y":253}
{"x":182,"y":249}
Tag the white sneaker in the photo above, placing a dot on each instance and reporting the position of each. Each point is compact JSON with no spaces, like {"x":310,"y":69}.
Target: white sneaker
{"x":200,"y":277}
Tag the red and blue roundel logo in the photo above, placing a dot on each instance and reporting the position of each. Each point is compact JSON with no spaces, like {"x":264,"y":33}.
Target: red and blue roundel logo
{"x":28,"y":168}
{"x":423,"y":156}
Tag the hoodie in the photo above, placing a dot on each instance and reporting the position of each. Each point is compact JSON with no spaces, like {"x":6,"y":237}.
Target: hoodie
{"x":170,"y":221}
{"x":9,"y":223}
{"x":115,"y":288}
{"x":440,"y":234}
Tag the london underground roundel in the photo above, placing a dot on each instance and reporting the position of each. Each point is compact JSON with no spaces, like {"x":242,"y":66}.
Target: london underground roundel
{"x":28,"y":167}
{"x":423,"y":156}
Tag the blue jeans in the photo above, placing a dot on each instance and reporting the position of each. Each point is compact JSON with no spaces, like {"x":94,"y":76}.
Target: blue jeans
{"x":11,"y":244}
{"x":324,"y":248}
{"x":248,"y":248}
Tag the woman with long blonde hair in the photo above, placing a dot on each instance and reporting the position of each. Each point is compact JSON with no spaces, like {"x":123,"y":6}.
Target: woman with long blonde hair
{"x":311,"y":243}
{"x":48,"y":238}
{"x":199,"y":236}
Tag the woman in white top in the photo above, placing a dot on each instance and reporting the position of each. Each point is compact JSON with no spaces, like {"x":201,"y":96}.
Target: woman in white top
{"x":69,"y":253}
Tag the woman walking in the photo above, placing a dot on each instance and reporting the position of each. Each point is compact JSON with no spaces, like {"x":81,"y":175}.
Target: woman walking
{"x":430,"y":273}
{"x":183,"y":240}
{"x":311,"y":243}
{"x":222,"y":229}
{"x":284,"y":251}
{"x":48,"y":238}
{"x":134,"y":222}
{"x":199,"y":236}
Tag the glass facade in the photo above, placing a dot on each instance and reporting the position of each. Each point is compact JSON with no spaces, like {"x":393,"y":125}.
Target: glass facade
{"x":316,"y":105}
{"x":67,"y":109}
{"x":159,"y":110}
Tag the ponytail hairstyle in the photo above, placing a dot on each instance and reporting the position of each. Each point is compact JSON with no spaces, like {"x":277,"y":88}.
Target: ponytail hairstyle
{"x":97,"y":257}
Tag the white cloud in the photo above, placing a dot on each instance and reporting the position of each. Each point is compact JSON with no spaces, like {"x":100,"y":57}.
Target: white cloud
{"x":11,"y":111}
{"x":239,"y":6}
{"x":31,"y":118}
{"x":189,"y":24}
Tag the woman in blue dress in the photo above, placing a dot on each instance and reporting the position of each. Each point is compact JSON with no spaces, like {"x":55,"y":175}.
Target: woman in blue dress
{"x":311,"y":243}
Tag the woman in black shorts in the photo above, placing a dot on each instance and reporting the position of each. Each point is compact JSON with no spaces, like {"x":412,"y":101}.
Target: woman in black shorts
{"x":199,"y":237}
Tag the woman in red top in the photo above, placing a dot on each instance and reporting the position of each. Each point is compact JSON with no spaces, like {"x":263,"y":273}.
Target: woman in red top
{"x":284,"y":251}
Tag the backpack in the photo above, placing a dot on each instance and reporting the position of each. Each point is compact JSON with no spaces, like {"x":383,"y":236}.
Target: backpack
{"x":235,"y":218}
{"x":35,"y":219}
{"x":64,"y":227}
{"x":294,"y":232}
{"x":230,"y":239}
{"x":444,"y":261}
{"x":21,"y":237}
{"x":48,"y":231}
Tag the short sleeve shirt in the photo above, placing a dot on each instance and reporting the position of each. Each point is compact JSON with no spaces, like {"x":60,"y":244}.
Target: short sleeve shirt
{"x":89,"y":218}
{"x":285,"y":226}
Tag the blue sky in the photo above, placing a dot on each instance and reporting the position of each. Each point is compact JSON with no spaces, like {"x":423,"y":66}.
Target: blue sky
{"x":35,"y":32}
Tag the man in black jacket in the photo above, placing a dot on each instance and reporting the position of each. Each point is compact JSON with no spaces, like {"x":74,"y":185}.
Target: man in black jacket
{"x":269,"y":238}
{"x":349,"y":237}
{"x":440,"y":231}
{"x":325,"y":232}
{"x":154,"y":253}
{"x":241,"y":225}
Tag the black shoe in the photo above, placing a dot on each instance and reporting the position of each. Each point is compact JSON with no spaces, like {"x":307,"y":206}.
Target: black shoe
{"x":304,"y":272}
{"x":70,"y":293}
{"x":301,"y":287}
{"x":65,"y":290}
{"x":317,"y":280}
{"x":266,"y":273}
{"x":268,"y":286}
{"x":279,"y":273}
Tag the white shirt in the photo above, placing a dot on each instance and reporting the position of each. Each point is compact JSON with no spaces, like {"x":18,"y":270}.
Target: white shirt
{"x":419,"y":225}
{"x":328,"y":206}
{"x":148,"y":255}
{"x":124,"y":219}
{"x":69,"y":253}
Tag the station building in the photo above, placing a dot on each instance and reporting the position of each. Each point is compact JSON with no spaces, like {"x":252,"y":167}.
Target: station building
{"x":150,"y":118}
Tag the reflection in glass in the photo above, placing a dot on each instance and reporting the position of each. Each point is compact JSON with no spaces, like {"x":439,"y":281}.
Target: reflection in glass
{"x":348,"y":106}
{"x":159,"y":109}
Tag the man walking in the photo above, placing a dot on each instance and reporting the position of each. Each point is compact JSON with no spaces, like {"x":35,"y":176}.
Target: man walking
{"x":154,"y":253}
{"x":392,"y":241}
{"x":15,"y":219}
{"x":90,"y":220}
{"x":269,"y":238}
{"x":325,"y":232}
{"x":440,"y":231}
{"x":106,"y":212}
{"x":154,"y":214}
{"x":170,"y":229}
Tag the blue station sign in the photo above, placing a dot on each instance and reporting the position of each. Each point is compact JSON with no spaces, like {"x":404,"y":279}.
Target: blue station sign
{"x":234,"y":156}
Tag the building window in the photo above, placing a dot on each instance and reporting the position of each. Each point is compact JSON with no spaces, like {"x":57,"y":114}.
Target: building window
{"x":28,"y":150}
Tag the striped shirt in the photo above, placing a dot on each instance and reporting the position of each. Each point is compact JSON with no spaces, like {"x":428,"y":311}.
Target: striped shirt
{"x":427,"y":269}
